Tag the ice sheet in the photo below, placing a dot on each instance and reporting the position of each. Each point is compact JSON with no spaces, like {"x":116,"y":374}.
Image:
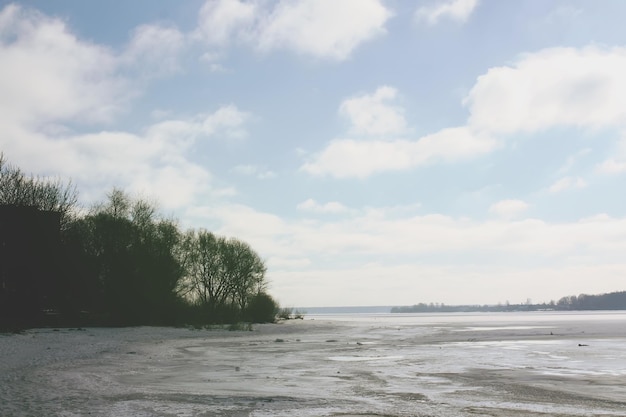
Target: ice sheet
{"x":515,"y":365}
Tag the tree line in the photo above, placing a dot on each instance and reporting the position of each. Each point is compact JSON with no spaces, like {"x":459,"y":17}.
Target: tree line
{"x":609,"y":301}
{"x":118,"y":263}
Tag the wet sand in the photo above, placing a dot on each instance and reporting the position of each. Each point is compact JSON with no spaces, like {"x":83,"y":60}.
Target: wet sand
{"x":515,"y":365}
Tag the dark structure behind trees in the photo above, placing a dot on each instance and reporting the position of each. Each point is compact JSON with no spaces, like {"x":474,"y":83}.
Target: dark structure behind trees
{"x":30,"y":271}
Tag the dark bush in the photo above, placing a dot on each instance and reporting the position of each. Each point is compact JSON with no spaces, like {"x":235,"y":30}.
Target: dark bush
{"x":262,"y":308}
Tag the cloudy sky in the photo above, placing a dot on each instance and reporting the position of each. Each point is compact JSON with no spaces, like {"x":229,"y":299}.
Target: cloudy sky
{"x":374,"y":152}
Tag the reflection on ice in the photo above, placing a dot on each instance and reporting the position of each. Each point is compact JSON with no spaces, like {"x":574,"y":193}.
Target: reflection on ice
{"x":582,"y":372}
{"x":492,"y":328}
{"x":363,"y":358}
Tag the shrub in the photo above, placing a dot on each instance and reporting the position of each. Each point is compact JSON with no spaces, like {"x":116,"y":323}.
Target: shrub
{"x":285,"y":313}
{"x":288,"y":313}
{"x":262,"y":308}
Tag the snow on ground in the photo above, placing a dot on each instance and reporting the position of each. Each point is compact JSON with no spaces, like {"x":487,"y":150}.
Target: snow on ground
{"x":527,"y":364}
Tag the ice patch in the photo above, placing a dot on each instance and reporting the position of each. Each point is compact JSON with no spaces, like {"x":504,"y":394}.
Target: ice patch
{"x":490,"y":328}
{"x":363,"y":358}
{"x":582,"y":372}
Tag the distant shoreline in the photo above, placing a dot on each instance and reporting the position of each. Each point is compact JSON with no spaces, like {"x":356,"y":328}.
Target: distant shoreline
{"x":614,"y":301}
{"x":315,"y":311}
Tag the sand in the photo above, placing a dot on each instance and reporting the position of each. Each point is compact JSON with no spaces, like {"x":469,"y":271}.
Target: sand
{"x":503,"y":365}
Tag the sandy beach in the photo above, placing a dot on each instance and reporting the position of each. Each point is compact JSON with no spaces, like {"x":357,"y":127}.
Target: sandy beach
{"x":390,"y":365}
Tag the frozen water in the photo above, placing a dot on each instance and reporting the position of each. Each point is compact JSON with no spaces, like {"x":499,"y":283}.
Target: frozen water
{"x":503,"y":364}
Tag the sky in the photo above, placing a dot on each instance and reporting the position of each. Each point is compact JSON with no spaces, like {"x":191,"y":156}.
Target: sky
{"x":373,"y":152}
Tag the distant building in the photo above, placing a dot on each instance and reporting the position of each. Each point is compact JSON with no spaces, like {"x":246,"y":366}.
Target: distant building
{"x":29,"y":261}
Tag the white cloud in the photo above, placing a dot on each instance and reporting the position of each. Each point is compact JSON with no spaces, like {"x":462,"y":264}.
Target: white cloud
{"x":572,"y":160}
{"x":409,"y":283}
{"x":287,"y":263}
{"x":432,"y":251}
{"x":321,"y":28}
{"x":400,"y":210}
{"x":253,"y":170}
{"x":553,"y":87}
{"x":459,"y":10}
{"x":580,"y":88}
{"x":49,"y":78}
{"x":347,"y":158}
{"x":174,"y":184}
{"x":508,"y":209}
{"x":612,"y":166}
{"x":227,"y":121}
{"x":269,"y":234}
{"x":154,"y":162}
{"x":245,"y":169}
{"x":564,"y":14}
{"x":372,"y":114}
{"x":332,"y":207}
{"x":453,"y":144}
{"x":47,"y":74}
{"x":324,"y":28}
{"x":211,"y":59}
{"x":221,"y":20}
{"x":154,"y":50}
{"x":98,"y":161}
{"x":616,"y":164}
{"x":266,"y":174}
{"x":567,"y":183}
{"x":383,"y":233}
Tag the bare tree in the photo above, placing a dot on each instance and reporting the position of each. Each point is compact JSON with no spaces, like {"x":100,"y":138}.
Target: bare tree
{"x":47,"y":194}
{"x":220,"y":272}
{"x":247,"y":272}
{"x":205,"y":278}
